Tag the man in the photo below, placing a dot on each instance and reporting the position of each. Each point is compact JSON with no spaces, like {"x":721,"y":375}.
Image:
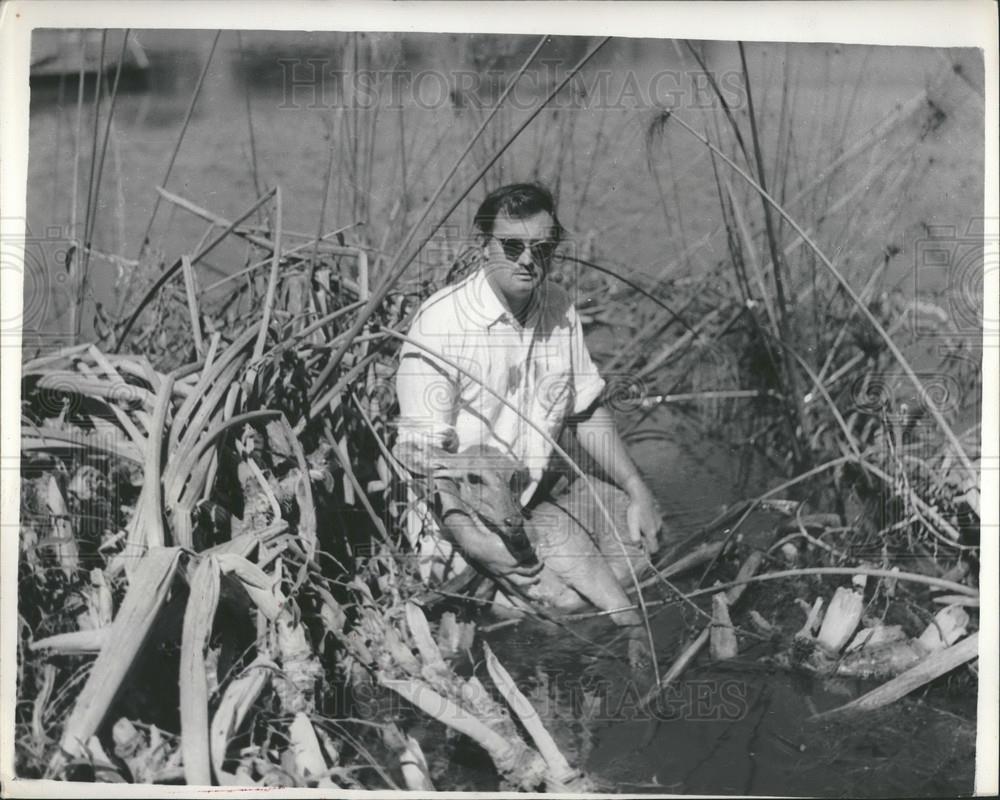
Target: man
{"x":514,"y":335}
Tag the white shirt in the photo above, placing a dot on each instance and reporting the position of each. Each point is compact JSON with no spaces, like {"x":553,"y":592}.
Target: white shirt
{"x":542,"y":369}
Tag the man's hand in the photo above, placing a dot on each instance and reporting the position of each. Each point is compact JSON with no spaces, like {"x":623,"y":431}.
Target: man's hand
{"x":596,"y":431}
{"x":488,"y":549}
{"x":643,"y":514}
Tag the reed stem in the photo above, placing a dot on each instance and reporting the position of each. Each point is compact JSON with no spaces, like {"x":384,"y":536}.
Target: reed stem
{"x":92,"y":221}
{"x":928,"y":402}
{"x":177,"y":146}
{"x":272,"y":281}
{"x":793,"y":395}
{"x":167,"y":274}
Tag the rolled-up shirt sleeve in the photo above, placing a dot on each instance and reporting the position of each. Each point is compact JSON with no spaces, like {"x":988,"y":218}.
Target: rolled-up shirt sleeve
{"x":587,"y":381}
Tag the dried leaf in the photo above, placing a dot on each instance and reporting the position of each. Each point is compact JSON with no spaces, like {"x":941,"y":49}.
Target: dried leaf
{"x":148,"y":589}
{"x":198,"y":618}
{"x":74,"y":642}
{"x":309,"y":761}
{"x":421,"y":633}
{"x":413,"y":764}
{"x":261,"y":587}
{"x":237,"y":699}
{"x":63,"y":539}
{"x":949,"y":625}
{"x":872,"y":637}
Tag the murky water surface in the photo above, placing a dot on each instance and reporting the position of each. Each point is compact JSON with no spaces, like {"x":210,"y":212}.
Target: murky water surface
{"x":739,"y":728}
{"x":271,"y":106}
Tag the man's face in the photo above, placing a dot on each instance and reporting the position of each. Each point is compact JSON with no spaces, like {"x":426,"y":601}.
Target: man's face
{"x":518,"y":254}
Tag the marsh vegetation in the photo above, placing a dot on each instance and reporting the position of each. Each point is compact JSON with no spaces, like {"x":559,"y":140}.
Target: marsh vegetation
{"x":216,"y":583}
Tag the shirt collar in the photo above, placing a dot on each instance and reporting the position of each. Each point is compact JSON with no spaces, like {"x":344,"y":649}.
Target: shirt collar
{"x":491,"y":305}
{"x":485,"y":298}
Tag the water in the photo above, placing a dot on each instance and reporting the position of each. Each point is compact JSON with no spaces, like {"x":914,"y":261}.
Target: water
{"x":739,"y":729}
{"x":593,"y":149}
{"x":742,"y":733}
{"x":742,"y":728}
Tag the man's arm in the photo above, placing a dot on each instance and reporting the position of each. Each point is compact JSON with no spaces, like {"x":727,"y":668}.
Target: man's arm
{"x":597,"y":432}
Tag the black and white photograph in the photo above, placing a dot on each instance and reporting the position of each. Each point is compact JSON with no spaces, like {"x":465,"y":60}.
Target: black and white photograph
{"x":510,"y":397}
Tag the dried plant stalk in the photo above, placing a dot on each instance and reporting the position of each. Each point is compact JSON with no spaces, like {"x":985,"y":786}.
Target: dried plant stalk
{"x":934,"y":666}
{"x":148,"y":588}
{"x":561,"y":777}
{"x":198,"y":620}
{"x":239,"y":696}
{"x":504,"y":753}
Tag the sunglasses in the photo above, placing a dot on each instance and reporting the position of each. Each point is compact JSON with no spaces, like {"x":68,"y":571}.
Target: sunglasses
{"x":541,"y":251}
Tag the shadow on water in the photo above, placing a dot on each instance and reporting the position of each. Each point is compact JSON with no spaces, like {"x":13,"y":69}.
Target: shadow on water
{"x":742,"y":728}
{"x":745,"y":731}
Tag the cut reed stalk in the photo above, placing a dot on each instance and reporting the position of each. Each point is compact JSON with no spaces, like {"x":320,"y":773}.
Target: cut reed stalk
{"x":561,"y":776}
{"x":77,"y":142}
{"x":254,"y":172}
{"x":934,"y":666}
{"x":191,"y":290}
{"x":272,"y":281}
{"x":734,"y":591}
{"x":503,"y":753}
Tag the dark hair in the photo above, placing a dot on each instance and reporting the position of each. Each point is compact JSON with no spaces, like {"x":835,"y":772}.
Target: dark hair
{"x":517,"y":200}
